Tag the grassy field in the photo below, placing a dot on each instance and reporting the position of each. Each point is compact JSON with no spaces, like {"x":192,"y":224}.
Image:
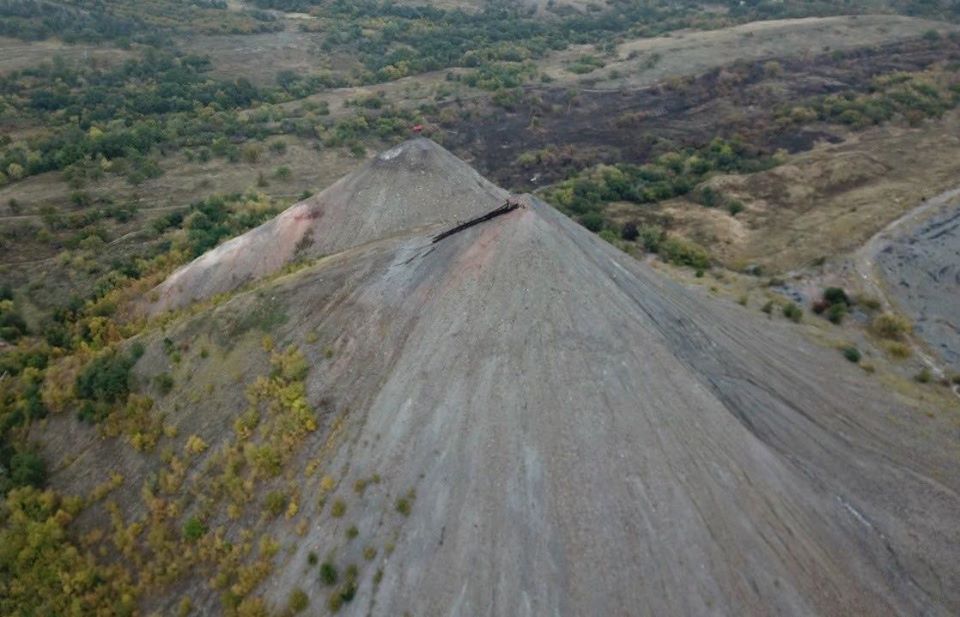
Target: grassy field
{"x":642,"y":62}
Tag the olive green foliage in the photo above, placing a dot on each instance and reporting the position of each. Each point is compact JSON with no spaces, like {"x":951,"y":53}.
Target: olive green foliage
{"x":214,"y":219}
{"x":890,"y":326}
{"x":792,"y":312}
{"x":833,"y":305}
{"x":912,"y":96}
{"x":194,"y":529}
{"x":25,"y":468}
{"x":164,"y":383}
{"x":126,"y":112}
{"x":669,"y":175}
{"x":328,"y":573}
{"x":298,"y":601}
{"x":149,"y":22}
{"x":12,"y":324}
{"x":852,"y":354}
{"x":651,"y":237}
{"x":835,"y":295}
{"x":404,"y":504}
{"x":105,"y":381}
{"x":275,"y":503}
{"x":346,"y":591}
{"x":683,"y":253}
{"x":836,"y":313}
{"x":43,"y":571}
{"x":338,"y":508}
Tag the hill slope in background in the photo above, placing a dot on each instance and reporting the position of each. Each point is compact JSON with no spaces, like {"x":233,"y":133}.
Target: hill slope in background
{"x":521,"y":420}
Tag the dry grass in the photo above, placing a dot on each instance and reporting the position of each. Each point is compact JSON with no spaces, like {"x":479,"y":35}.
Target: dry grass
{"x":829,"y":200}
{"x":646,"y":61}
{"x":184,"y":181}
{"x":16,"y":54}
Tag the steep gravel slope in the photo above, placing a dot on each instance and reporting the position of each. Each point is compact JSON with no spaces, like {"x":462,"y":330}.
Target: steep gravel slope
{"x":560,"y":430}
{"x":588,"y":439}
{"x":421,"y":182}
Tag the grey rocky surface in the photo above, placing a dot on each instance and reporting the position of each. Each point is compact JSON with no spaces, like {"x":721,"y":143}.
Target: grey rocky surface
{"x":583,"y":435}
{"x":921,"y":267}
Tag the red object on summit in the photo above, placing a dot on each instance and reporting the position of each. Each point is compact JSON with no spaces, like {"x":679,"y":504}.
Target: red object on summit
{"x":417,"y":128}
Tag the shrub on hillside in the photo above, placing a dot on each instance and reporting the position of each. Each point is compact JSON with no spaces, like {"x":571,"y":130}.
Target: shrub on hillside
{"x":107,"y":378}
{"x":651,"y":236}
{"x":890,"y":326}
{"x":194,"y":529}
{"x":792,"y":312}
{"x":683,"y":253}
{"x":298,"y":601}
{"x":836,"y":313}
{"x":328,"y":573}
{"x":23,"y":469}
{"x":852,"y":354}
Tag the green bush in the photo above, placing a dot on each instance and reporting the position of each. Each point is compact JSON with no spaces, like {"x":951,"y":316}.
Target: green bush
{"x":403,"y":506}
{"x":852,"y":354}
{"x":328,"y":573}
{"x":164,"y":383}
{"x":275,"y":503}
{"x":608,"y":235}
{"x":651,"y":236}
{"x":792,"y":312}
{"x":683,"y":253}
{"x":194,"y":529}
{"x":298,"y":601}
{"x":107,"y":378}
{"x":25,"y":469}
{"x":592,"y":221}
{"x":836,"y":313}
{"x":12,"y":324}
{"x":835,"y":295}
